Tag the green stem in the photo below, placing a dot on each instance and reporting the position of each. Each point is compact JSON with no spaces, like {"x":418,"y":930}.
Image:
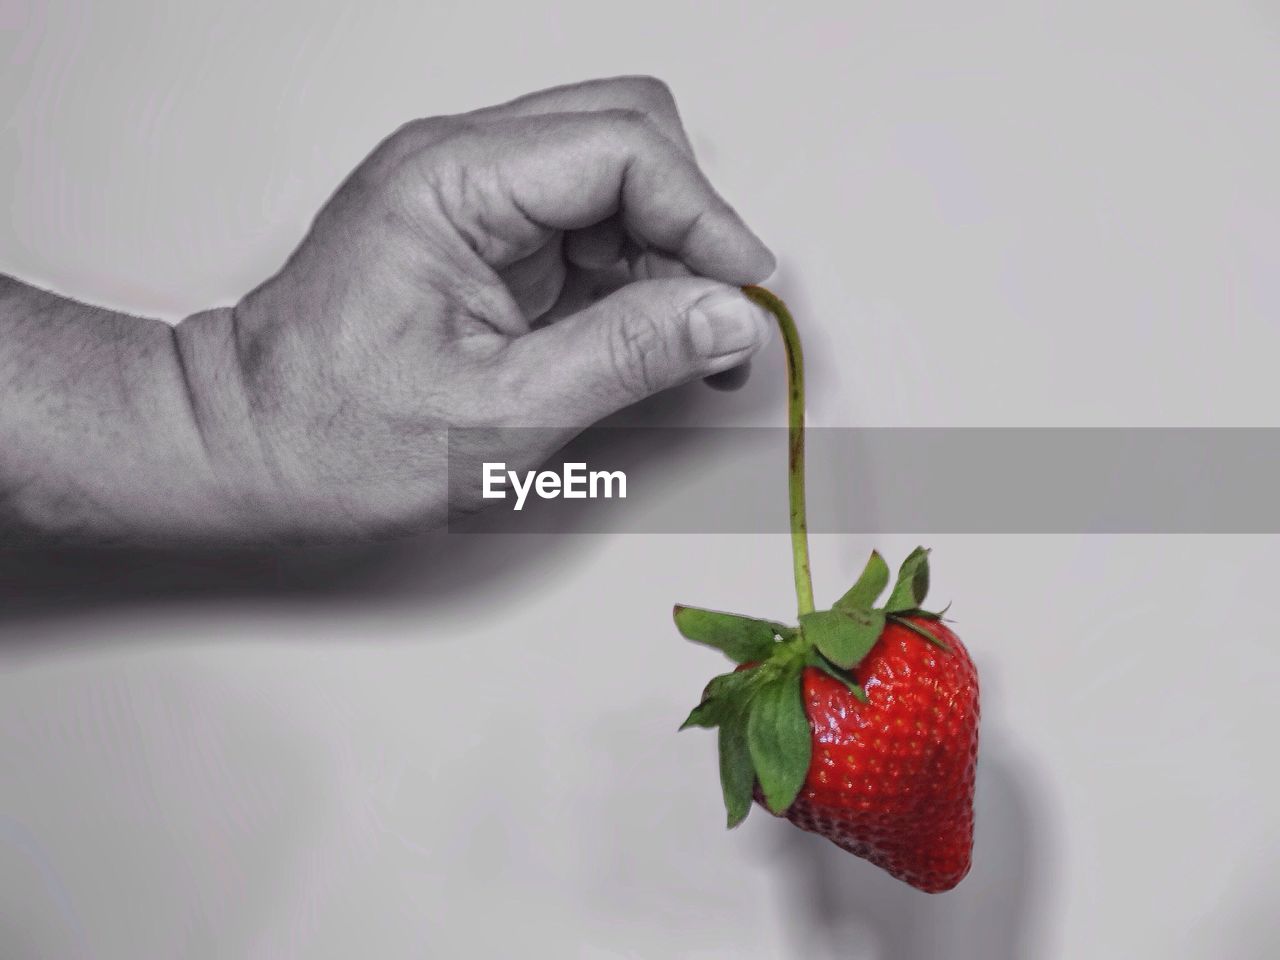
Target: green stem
{"x":795,"y":446}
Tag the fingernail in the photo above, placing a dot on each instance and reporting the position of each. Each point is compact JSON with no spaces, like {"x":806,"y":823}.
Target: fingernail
{"x":726,"y":322}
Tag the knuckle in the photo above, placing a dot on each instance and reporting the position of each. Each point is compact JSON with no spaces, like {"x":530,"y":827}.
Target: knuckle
{"x":627,"y":117}
{"x":437,"y":168}
{"x":424,"y":131}
{"x":653,"y":92}
{"x":638,"y":354}
{"x":408,"y":141}
{"x":408,"y":132}
{"x":631,"y":130}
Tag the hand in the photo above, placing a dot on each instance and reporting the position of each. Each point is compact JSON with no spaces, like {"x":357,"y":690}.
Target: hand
{"x":541,"y":263}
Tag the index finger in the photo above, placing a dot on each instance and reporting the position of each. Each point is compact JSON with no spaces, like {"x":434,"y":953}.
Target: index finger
{"x":649,"y":95}
{"x":566,"y":171}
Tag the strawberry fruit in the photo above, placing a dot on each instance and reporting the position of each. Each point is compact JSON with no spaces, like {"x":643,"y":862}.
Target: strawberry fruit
{"x":860,"y":723}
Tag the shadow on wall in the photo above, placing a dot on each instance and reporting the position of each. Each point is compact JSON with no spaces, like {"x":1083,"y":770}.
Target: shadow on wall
{"x":68,"y":582}
{"x":440,"y":570}
{"x":845,"y":909}
{"x":1246,"y":924}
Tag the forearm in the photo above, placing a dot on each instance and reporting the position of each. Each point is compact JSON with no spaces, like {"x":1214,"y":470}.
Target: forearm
{"x":99,"y":438}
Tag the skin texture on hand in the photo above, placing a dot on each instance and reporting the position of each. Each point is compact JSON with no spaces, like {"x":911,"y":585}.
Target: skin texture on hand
{"x":424,"y":295}
{"x":541,"y":263}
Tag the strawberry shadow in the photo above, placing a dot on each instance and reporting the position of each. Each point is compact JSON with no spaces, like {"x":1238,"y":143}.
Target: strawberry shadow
{"x":1244,"y":921}
{"x":842,"y":908}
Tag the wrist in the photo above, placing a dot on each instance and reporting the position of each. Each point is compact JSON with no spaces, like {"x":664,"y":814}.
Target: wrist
{"x":251,"y":502}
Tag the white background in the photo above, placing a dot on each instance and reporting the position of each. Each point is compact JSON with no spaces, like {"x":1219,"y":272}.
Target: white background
{"x":987,"y":214}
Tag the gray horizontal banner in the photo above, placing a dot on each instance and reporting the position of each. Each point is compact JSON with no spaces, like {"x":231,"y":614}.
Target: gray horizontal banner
{"x":733,"y":480}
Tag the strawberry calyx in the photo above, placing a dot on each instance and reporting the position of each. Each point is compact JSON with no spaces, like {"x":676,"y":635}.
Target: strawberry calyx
{"x":758,"y":707}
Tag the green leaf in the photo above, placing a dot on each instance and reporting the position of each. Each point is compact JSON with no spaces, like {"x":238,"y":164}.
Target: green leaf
{"x":843,"y":636}
{"x":913,"y":582}
{"x":835,"y":673}
{"x":737,"y":774}
{"x":875,"y":577}
{"x":742,"y":639}
{"x":779,"y":740}
{"x":916,"y":628}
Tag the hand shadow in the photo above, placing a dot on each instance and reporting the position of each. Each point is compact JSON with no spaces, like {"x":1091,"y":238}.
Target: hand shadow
{"x":842,"y":908}
{"x":446,"y":571}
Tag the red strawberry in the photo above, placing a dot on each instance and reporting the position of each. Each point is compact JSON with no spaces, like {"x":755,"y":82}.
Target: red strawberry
{"x":859,"y":724}
{"x":891,"y":780}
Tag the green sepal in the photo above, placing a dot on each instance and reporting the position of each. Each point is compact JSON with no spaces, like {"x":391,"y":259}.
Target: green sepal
{"x":728,"y":685}
{"x":912,"y":584}
{"x":723,"y":693}
{"x":779,"y":739}
{"x":820,"y":662}
{"x":737,"y":773}
{"x":916,"y":628}
{"x":927,"y":614}
{"x":725,"y":704}
{"x":874,"y":578}
{"x":708,"y":714}
{"x":741,"y":639}
{"x":843,"y":636}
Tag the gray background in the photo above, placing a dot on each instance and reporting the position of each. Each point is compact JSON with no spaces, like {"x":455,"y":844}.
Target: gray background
{"x":988,"y":214}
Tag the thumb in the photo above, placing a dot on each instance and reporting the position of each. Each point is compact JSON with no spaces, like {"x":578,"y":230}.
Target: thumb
{"x":647,"y":337}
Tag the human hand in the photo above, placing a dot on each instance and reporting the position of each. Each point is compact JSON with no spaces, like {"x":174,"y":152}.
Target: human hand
{"x":455,"y":280}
